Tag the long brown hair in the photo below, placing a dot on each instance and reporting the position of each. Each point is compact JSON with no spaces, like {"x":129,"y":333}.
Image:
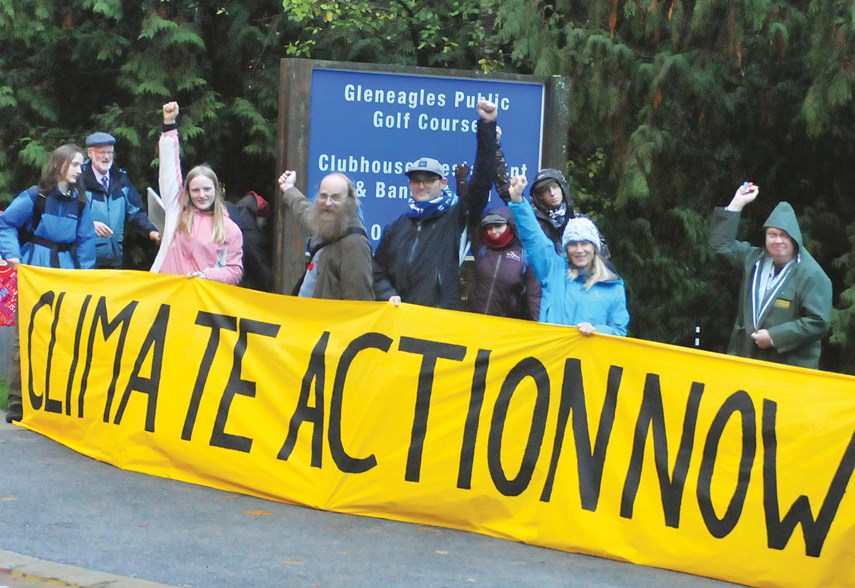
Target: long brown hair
{"x":57,"y":167}
{"x":185,"y":218}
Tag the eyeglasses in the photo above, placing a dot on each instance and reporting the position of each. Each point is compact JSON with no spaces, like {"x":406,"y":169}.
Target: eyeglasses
{"x":334,"y":198}
{"x":423,"y":180}
{"x":776,"y":235}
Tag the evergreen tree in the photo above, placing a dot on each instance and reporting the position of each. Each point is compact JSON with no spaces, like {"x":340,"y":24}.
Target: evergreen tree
{"x":68,"y":69}
{"x":675,"y":103}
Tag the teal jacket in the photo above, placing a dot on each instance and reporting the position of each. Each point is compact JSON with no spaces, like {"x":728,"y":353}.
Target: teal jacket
{"x":797,"y":310}
{"x":123,"y":201}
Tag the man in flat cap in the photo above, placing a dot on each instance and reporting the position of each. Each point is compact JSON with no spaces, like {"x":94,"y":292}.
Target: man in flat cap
{"x":419,"y":255}
{"x":785,"y":296}
{"x":113,"y":199}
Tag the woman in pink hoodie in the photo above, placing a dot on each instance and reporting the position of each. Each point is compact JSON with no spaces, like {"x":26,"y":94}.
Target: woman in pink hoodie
{"x":199,"y":238}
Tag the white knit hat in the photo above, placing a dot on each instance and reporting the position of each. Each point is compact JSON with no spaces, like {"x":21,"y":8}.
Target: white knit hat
{"x":581,"y":228}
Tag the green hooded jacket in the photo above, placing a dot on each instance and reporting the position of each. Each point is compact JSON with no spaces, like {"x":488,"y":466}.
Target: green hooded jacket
{"x":797,"y":310}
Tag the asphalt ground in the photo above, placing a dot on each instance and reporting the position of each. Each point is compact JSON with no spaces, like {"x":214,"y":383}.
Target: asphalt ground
{"x":68,"y":520}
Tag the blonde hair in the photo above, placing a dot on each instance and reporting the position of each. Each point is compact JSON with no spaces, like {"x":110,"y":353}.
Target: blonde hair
{"x":599,"y":273}
{"x":185,"y":218}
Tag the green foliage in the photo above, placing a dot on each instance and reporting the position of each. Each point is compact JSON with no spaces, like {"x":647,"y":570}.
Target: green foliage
{"x":70,"y":68}
{"x":684,"y":101}
{"x":110,"y":9}
{"x":154,"y":24}
{"x":445,"y":33}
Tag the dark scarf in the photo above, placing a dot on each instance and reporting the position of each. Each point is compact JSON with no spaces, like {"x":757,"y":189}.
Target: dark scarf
{"x":431,"y":208}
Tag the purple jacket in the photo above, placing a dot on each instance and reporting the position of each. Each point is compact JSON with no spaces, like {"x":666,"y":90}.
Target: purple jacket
{"x":502,"y":278}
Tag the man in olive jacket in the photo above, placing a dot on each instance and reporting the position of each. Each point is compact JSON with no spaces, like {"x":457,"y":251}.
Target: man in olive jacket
{"x":340,"y":265}
{"x":785,"y":296}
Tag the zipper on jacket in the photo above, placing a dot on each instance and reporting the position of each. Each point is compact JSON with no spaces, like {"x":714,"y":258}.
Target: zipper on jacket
{"x":109,"y":212}
{"x":415,"y":243}
{"x":493,"y":284}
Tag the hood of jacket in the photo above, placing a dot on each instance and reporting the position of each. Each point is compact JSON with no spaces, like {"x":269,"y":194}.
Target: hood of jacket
{"x":546,"y":175}
{"x":784,"y":217}
{"x":505,"y":213}
{"x":502,"y":211}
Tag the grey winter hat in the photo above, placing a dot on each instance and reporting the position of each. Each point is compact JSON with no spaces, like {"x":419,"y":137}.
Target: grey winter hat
{"x":493,"y":219}
{"x":99,"y":138}
{"x":581,"y":229}
{"x":426,"y":164}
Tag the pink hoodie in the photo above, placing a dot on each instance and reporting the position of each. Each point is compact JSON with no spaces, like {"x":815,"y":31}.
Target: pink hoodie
{"x":180,"y":254}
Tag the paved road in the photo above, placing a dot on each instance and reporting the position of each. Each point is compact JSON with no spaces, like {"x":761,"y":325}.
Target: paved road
{"x":68,"y":520}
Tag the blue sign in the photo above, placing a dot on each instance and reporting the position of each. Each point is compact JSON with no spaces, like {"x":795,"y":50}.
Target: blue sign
{"x":371,"y":126}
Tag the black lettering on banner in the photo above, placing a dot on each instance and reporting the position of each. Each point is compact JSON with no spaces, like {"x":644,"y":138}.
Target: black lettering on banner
{"x":52,"y":405}
{"x":36,"y":400}
{"x":780,"y":530}
{"x":75,"y":359}
{"x":238,"y":386}
{"x":652,"y":417}
{"x":108,"y":327}
{"x":216,"y":322}
{"x":345,"y":462}
{"x":156,"y":338}
{"x":431,"y":352}
{"x":741,"y":403}
{"x":311,"y":414}
{"x":526,"y":368}
{"x":590,"y":462}
{"x":473,"y":419}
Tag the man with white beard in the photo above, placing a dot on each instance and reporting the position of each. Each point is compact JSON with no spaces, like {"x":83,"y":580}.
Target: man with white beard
{"x":340,"y":264}
{"x":113,"y":199}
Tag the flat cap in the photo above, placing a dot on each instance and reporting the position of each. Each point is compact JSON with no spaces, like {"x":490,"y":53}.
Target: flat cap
{"x":99,"y":138}
{"x":493,"y":219}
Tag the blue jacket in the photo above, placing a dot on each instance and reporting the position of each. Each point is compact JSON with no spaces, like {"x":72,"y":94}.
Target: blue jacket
{"x":123,"y":201}
{"x":565,"y":301}
{"x":59,"y":224}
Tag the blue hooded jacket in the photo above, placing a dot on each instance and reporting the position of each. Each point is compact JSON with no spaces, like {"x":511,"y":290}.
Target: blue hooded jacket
{"x":59,"y":224}
{"x":565,"y":301}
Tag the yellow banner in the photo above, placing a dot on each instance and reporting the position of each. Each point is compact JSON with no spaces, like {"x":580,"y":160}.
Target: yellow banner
{"x":636,"y":451}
